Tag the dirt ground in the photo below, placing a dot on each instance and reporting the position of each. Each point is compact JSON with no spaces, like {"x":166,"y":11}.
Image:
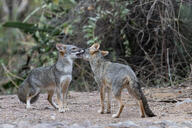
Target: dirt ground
{"x":167,"y":103}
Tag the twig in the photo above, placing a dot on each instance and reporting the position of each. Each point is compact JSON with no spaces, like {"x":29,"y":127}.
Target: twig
{"x":12,"y":81}
{"x":33,"y":12}
{"x":11,"y":74}
{"x":169,"y":70}
{"x":7,"y":74}
{"x":83,"y":70}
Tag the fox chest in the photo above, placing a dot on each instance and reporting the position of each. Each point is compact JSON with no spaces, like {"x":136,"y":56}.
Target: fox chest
{"x":104,"y":81}
{"x":65,"y":78}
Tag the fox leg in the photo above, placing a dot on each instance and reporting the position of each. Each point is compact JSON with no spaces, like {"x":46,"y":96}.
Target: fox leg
{"x":102,"y":97}
{"x":60,"y":99}
{"x":64,"y":91}
{"x":28,"y":105}
{"x":121,"y":106}
{"x":137,"y":95}
{"x":28,"y":102}
{"x":50,"y":99}
{"x":142,"y":108}
{"x":108,"y":100}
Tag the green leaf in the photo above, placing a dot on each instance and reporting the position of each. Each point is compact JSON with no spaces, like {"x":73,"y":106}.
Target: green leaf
{"x":56,"y":2}
{"x":23,"y":26}
{"x":27,"y":27}
{"x":88,"y":35}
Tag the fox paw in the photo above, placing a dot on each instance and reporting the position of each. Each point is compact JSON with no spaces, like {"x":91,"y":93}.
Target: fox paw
{"x":55,"y":106}
{"x":61,"y":110}
{"x":64,"y":109}
{"x":142,"y":116}
{"x":100,"y":111}
{"x":108,"y":112}
{"x":28,"y":107}
{"x":115,"y":116}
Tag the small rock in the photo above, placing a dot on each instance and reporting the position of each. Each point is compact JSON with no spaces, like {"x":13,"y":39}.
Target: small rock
{"x":76,"y":126}
{"x":50,"y":125}
{"x":7,"y":126}
{"x":188,"y":100}
{"x":86,"y":124}
{"x":187,"y":124}
{"x":53,"y":117}
{"x":175,"y":127}
{"x":124,"y":125}
{"x":23,"y":124}
{"x":41,"y":125}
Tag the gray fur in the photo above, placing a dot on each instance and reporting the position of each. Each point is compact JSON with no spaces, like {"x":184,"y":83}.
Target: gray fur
{"x":51,"y":78}
{"x":116,"y":77}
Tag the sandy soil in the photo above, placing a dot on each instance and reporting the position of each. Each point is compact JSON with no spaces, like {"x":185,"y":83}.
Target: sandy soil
{"x":165,"y":102}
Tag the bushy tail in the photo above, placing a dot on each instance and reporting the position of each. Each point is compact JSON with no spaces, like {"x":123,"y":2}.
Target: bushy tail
{"x":23,"y":91}
{"x":148,"y":111}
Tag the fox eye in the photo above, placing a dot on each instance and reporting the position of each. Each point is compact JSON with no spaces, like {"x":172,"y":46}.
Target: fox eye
{"x":74,"y":48}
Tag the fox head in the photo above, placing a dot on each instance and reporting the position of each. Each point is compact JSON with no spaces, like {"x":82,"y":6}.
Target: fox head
{"x":93,"y":53}
{"x":70,"y":51}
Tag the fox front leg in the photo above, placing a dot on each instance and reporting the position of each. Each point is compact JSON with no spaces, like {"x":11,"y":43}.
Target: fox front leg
{"x":102,"y":97}
{"x":60,"y":99}
{"x":65,"y":91}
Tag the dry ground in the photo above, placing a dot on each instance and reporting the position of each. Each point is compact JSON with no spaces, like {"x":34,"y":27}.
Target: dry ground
{"x":165,"y":102}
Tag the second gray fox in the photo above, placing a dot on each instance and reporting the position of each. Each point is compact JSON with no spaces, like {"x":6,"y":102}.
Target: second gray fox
{"x":51,"y":78}
{"x":115,"y":77}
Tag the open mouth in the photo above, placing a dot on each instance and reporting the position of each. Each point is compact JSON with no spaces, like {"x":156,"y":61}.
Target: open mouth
{"x":80,"y":54}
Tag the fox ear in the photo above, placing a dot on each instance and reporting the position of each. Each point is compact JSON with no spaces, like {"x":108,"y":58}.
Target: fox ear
{"x":104,"y":53}
{"x":60,"y":47}
{"x":95,"y":46}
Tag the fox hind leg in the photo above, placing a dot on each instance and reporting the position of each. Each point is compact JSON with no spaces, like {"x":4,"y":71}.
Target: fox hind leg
{"x":137,"y":94}
{"x":142,"y":108}
{"x":50,"y":99}
{"x":28,"y":104}
{"x":108,"y":90}
{"x":121,"y":106}
{"x":102,"y":97}
{"x":31,"y":96}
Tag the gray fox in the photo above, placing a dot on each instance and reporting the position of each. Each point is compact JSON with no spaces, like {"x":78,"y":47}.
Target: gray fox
{"x":51,"y":78}
{"x":114,"y":77}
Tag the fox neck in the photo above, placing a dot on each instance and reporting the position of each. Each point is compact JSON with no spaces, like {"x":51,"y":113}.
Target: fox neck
{"x":64,"y":64}
{"x":97,"y":65}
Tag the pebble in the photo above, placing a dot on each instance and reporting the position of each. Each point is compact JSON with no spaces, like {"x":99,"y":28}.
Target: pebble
{"x":6,"y":126}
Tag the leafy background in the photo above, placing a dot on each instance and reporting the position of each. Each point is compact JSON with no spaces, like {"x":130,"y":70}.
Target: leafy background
{"x":154,"y":37}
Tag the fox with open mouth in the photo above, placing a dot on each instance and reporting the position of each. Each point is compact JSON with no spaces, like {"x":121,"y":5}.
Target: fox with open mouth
{"x":55,"y":78}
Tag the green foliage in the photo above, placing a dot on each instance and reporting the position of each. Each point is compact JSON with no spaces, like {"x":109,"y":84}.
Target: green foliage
{"x":122,"y":27}
{"x":31,"y":28}
{"x":89,"y":31}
